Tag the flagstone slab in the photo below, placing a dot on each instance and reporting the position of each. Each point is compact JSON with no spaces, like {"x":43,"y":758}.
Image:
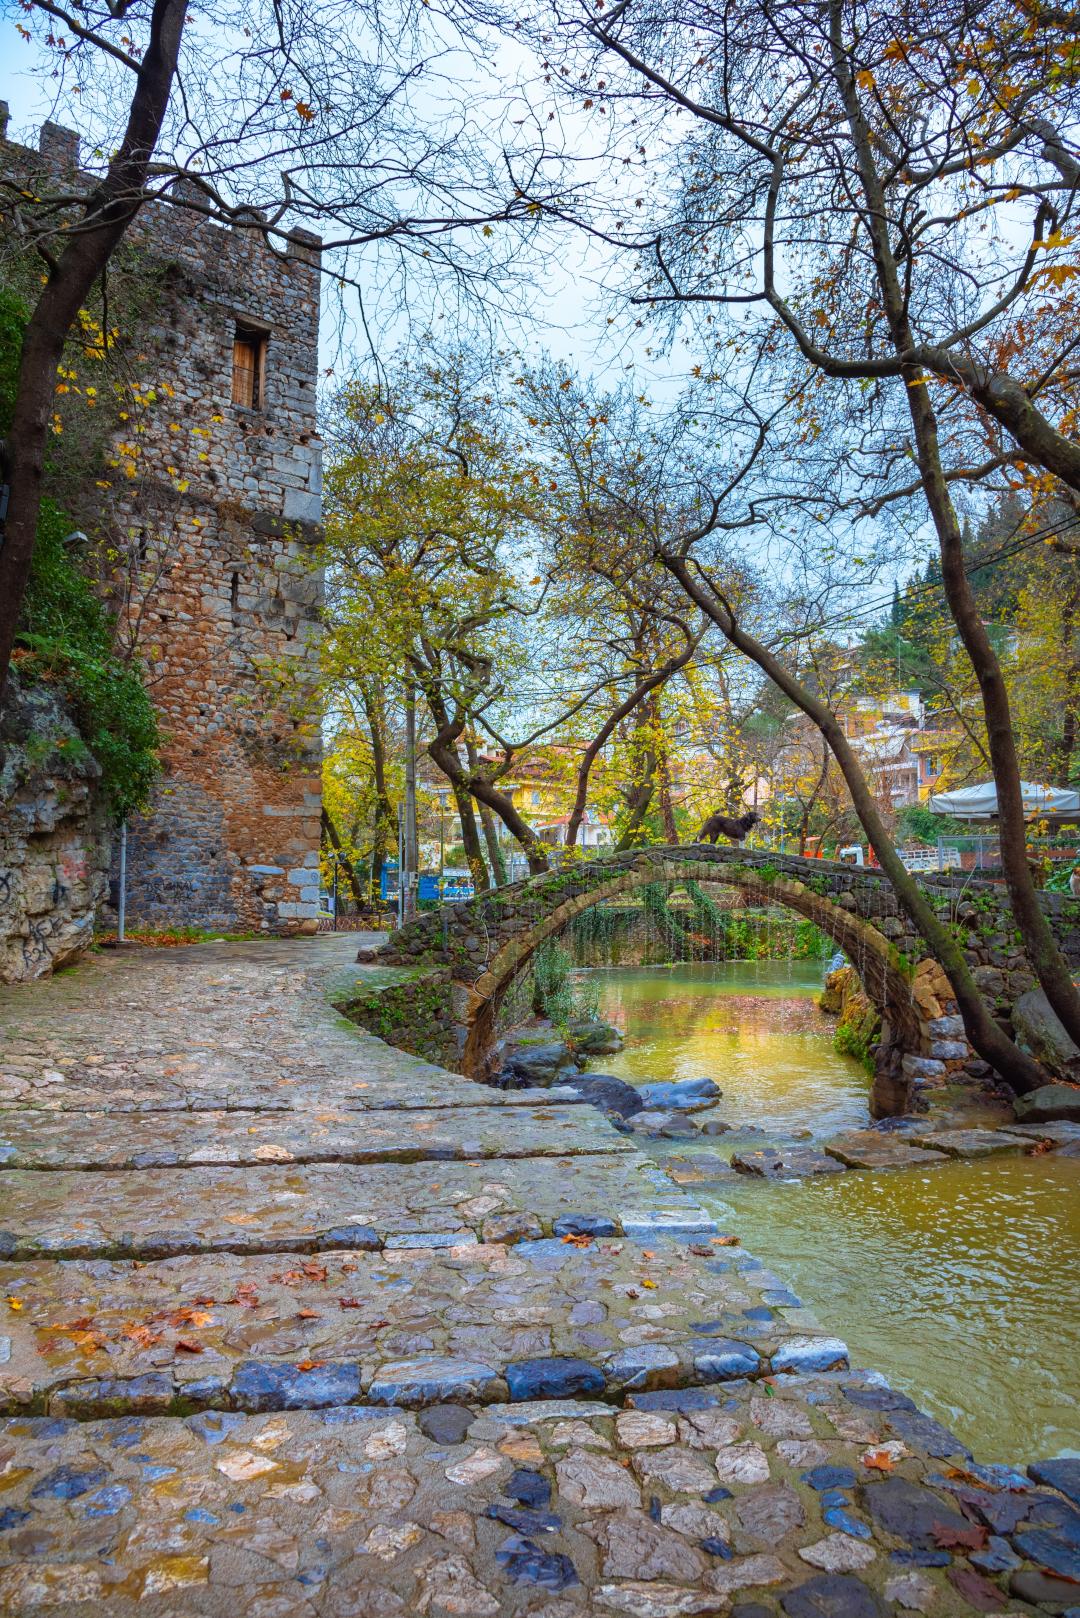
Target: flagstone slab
{"x":975,"y":1143}
{"x":1061,"y":1133}
{"x":404,"y":1325}
{"x":869,"y":1149}
{"x":319,"y":1134}
{"x":285,"y":1207}
{"x":566,"y":1510}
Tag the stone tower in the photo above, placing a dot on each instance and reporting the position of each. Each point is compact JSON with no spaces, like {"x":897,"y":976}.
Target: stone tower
{"x":222,"y":519}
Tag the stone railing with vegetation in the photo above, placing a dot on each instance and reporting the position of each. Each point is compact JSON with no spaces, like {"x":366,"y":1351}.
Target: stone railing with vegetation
{"x":409,"y":1009}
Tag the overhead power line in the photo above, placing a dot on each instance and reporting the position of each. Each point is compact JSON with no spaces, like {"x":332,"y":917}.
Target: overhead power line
{"x":930,"y":586}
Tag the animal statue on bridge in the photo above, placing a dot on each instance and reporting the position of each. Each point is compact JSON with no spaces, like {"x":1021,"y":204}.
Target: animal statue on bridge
{"x":720,"y":825}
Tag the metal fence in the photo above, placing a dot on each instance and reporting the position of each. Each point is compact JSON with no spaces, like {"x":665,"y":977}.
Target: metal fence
{"x":982,"y":852}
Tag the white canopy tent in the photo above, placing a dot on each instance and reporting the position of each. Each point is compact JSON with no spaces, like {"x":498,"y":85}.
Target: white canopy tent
{"x":980,"y":803}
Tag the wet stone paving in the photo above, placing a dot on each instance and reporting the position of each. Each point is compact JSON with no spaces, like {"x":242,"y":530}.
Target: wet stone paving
{"x":294,"y":1324}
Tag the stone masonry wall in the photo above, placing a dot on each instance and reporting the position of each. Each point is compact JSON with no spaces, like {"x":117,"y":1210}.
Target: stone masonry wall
{"x":221,"y":513}
{"x":54,"y":838}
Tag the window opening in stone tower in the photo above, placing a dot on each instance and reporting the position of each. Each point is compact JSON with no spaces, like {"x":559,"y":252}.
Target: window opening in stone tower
{"x":249,"y":367}
{"x":234,"y":598}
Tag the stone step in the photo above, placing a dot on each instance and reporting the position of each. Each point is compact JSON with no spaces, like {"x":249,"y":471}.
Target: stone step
{"x":319,"y":1135}
{"x":61,"y":1095}
{"x":871,"y":1149}
{"x":549,"y":1318}
{"x":975,"y":1142}
{"x":570,"y":1508}
{"x":300,"y":1208}
{"x":1062,"y":1134}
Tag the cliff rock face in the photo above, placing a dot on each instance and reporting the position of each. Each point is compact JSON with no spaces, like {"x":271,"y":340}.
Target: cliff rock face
{"x":54,"y":836}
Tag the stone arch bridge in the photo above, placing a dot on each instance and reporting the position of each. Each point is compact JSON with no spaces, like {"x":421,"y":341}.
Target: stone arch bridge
{"x":481,"y":946}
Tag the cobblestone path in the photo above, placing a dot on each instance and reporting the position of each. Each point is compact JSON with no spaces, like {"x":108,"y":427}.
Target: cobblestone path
{"x":293,"y":1325}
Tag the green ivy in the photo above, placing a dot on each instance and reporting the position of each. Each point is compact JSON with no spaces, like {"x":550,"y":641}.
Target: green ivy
{"x":65,"y":633}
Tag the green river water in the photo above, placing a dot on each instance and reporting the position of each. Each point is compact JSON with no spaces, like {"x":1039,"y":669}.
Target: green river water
{"x":959,"y":1282}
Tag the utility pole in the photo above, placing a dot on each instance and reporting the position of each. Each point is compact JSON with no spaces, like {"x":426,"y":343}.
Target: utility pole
{"x":410,"y":840}
{"x":400,"y":865}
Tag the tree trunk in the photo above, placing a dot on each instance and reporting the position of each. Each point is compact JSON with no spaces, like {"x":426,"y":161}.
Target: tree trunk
{"x":470,"y":837}
{"x":994,"y":1046}
{"x":667,"y":808}
{"x":343,"y":859}
{"x":108,"y":212}
{"x":1067,"y":748}
{"x":443,"y":749}
{"x":638,"y":795}
{"x":1045,"y":958}
{"x":382,"y":833}
{"x":487,"y":822}
{"x":495,"y":853}
{"x":410,"y":840}
{"x":485,"y":792}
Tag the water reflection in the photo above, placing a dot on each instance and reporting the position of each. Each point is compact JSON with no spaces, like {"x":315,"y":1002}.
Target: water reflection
{"x":752,"y":1026}
{"x":958,"y":1282}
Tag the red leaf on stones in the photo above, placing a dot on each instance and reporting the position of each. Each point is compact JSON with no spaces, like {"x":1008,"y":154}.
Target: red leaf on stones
{"x":309,"y":1365}
{"x":188,"y":1345}
{"x":350,"y":1303}
{"x":959,"y":1475}
{"x":142,"y":1336}
{"x":577,"y":1241}
{"x":246,"y":1295}
{"x":188,"y":1317}
{"x":976,"y":1589}
{"x":308,"y":1271}
{"x":959,"y":1539}
{"x":81,"y":1333}
{"x":307,"y":1314}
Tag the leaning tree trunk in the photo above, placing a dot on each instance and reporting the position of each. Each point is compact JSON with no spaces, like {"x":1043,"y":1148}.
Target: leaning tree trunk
{"x":988,"y":1039}
{"x":495,"y":853}
{"x":470,"y":837}
{"x":487,"y":822}
{"x":639,"y":795}
{"x":107,"y":213}
{"x":343,"y":859}
{"x":382,"y":835}
{"x":1045,"y":958}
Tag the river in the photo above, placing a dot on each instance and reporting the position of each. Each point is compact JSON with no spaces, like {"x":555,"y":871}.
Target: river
{"x":958,"y":1282}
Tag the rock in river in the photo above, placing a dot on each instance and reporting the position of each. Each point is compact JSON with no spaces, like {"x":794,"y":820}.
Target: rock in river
{"x":594,"y":1038}
{"x":793,"y":1163}
{"x":683,"y":1095}
{"x":605,"y":1091}
{"x":1049,"y":1102}
{"x":538,"y":1064}
{"x":1062,"y":1473}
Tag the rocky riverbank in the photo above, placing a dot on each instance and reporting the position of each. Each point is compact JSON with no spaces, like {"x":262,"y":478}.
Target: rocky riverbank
{"x":299,"y":1324}
{"x":958,"y":1121}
